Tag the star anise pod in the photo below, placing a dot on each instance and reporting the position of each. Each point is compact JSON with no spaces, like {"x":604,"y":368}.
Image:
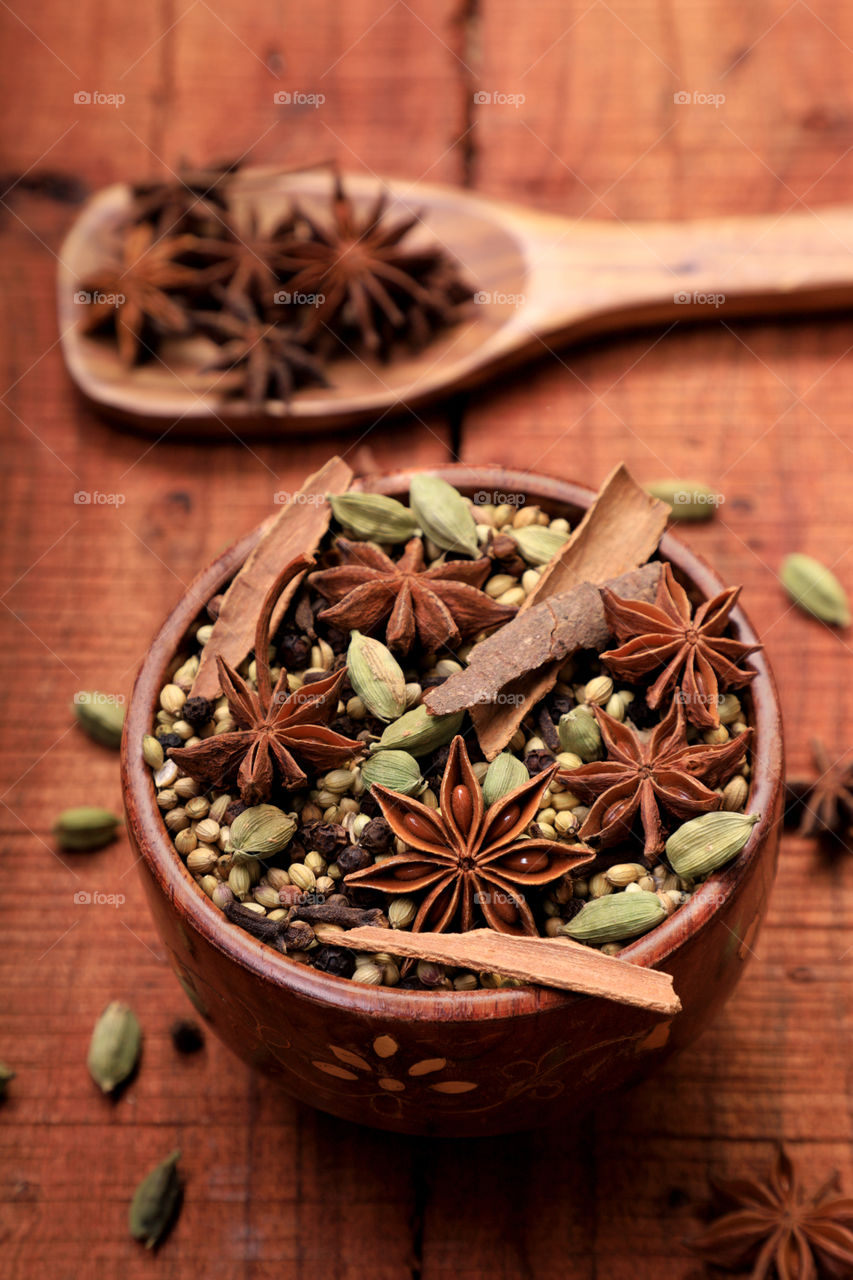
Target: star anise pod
{"x":776,"y":1228}
{"x":193,"y":201}
{"x":467,"y":856}
{"x":827,"y":804}
{"x":692,"y":648}
{"x":138,"y":290}
{"x":372,"y":284}
{"x":644,"y":774}
{"x":247,"y":261}
{"x":277,"y":730}
{"x":438,"y":606}
{"x":271,"y":358}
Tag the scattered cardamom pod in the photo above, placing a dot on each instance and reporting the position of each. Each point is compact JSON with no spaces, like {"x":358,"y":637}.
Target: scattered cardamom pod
{"x":260,"y":832}
{"x":815,"y":589}
{"x":396,"y":770}
{"x":618,"y":916}
{"x":538,"y":544}
{"x":376,"y":676}
{"x":114,"y":1047}
{"x":418,"y":732}
{"x":100,"y":716}
{"x":443,"y":514}
{"x":85,"y":828}
{"x":6,"y":1075}
{"x":152,"y":752}
{"x":689,"y":500}
{"x":704,"y":844}
{"x":373,"y":516}
{"x":504,"y":774}
{"x":155,"y":1202}
{"x":579,"y":733}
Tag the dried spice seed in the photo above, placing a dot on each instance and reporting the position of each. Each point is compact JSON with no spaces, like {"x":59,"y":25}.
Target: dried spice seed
{"x":815,"y":589}
{"x":373,"y":517}
{"x":155,"y":1202}
{"x":85,"y":828}
{"x":101,"y":716}
{"x":115,"y":1046}
{"x":707,"y":843}
{"x":444,"y":515}
{"x":187,"y":1036}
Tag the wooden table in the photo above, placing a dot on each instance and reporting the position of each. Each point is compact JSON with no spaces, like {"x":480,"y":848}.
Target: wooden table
{"x":761,"y":412}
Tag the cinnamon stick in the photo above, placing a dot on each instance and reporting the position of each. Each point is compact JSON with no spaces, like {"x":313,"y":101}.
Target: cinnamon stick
{"x":297,"y":530}
{"x":549,"y":962}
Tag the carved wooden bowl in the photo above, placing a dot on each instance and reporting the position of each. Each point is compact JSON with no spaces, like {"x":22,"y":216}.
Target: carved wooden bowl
{"x":461,"y":1063}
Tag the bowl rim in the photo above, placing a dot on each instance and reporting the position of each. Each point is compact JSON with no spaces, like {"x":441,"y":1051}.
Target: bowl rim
{"x":151,"y":838}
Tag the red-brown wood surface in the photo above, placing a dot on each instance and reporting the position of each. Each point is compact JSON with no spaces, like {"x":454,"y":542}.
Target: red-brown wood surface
{"x":761,"y":412}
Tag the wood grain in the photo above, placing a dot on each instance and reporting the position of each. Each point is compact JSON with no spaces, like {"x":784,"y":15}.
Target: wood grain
{"x":760,"y":411}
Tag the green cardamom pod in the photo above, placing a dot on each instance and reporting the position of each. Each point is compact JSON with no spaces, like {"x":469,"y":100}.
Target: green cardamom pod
{"x":444,"y":515}
{"x":704,"y":844}
{"x":376,"y":676}
{"x":816,"y":589}
{"x":114,"y":1047}
{"x":537,"y":544}
{"x":618,"y":916}
{"x":418,"y":732}
{"x":260,"y":832}
{"x":373,"y":516}
{"x":155,"y":1202}
{"x":101,"y":716}
{"x":689,"y":500}
{"x":504,"y":774}
{"x":152,"y":752}
{"x":85,"y":828}
{"x":396,"y":770}
{"x":6,"y":1075}
{"x":579,"y":733}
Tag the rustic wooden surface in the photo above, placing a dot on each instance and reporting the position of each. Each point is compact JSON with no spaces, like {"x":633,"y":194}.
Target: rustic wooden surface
{"x":759,"y":411}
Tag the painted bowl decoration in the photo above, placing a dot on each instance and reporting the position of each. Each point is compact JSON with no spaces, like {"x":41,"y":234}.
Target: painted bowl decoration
{"x":454,"y":1061}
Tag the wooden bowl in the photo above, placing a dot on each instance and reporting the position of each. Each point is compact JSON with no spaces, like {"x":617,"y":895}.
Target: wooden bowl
{"x":461,"y":1063}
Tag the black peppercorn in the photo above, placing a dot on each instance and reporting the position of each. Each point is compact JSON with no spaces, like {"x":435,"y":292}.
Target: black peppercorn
{"x":377,"y":836}
{"x":169,"y":740}
{"x":294,"y":651}
{"x":353,"y":859}
{"x":335,"y":960}
{"x":197,"y":711}
{"x":536,"y":761}
{"x":233,"y":811}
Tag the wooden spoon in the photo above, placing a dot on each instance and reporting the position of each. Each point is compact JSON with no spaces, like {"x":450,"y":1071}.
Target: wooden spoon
{"x":543,"y":282}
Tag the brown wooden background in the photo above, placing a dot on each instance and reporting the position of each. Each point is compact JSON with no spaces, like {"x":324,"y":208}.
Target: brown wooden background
{"x":761,"y":411}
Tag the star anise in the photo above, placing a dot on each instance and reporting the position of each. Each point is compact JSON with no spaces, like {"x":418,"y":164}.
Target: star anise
{"x":776,"y":1228}
{"x":271,"y":358}
{"x":247,"y":261}
{"x":371,"y":283}
{"x":193,"y":201}
{"x":692,"y":648}
{"x":644,"y":774}
{"x":467,"y":856}
{"x":827,"y":804}
{"x":438,"y":606}
{"x":277,"y":730}
{"x":138,"y":290}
